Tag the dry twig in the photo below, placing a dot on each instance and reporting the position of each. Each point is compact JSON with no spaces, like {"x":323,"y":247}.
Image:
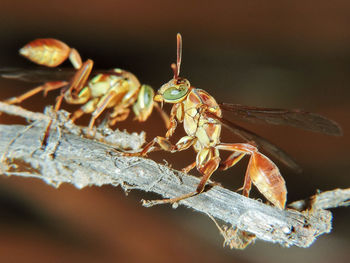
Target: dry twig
{"x":68,"y":157}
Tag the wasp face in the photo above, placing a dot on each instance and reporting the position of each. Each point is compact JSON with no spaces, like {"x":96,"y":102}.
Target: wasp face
{"x":174,"y":91}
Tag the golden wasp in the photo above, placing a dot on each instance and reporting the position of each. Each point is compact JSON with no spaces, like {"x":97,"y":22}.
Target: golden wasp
{"x":202,"y":120}
{"x":117,"y":89}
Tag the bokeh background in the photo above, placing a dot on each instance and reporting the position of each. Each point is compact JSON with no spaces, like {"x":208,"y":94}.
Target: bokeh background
{"x":284,"y":54}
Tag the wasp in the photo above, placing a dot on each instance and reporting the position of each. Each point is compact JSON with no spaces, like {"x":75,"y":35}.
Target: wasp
{"x":117,"y":89}
{"x":202,"y":119}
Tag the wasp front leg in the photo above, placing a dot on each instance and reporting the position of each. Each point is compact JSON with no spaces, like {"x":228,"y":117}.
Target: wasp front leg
{"x":176,"y":112}
{"x":164,"y":142}
{"x":207,"y":163}
{"x":183,"y":144}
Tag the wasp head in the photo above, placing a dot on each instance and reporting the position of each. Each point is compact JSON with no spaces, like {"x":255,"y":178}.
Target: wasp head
{"x":176,"y":90}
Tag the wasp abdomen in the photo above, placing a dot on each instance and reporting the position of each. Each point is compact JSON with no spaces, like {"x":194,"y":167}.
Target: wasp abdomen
{"x":46,"y":51}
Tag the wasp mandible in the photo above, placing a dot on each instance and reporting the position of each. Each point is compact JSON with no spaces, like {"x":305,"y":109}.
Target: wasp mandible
{"x":202,"y":120}
{"x":117,"y":89}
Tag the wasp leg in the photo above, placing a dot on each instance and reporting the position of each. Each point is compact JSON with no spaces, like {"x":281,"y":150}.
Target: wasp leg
{"x":48,"y":86}
{"x":164,"y":142}
{"x":231,"y":160}
{"x":45,"y":139}
{"x":149,"y":147}
{"x":118,"y":115}
{"x":247,"y":185}
{"x":80,"y":78}
{"x":206,"y":170}
{"x":189,"y":167}
{"x":101,"y":106}
{"x":59,"y":99}
{"x":87,"y":108}
{"x":183,"y":144}
{"x":172,"y":121}
{"x":77,"y":114}
{"x":261,"y":171}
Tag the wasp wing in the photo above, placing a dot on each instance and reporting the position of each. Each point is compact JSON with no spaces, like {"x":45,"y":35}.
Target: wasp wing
{"x":41,"y":75}
{"x":296,"y":118}
{"x":36,"y":75}
{"x":252,"y":137}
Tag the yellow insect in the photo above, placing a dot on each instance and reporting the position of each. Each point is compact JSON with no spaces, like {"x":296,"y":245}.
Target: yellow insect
{"x":202,"y":120}
{"x":117,"y":89}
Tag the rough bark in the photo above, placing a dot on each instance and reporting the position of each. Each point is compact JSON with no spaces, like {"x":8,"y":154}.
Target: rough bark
{"x":67,"y":156}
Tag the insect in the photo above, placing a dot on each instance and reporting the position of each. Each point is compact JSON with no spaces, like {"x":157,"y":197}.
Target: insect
{"x":202,"y":120}
{"x":117,"y":89}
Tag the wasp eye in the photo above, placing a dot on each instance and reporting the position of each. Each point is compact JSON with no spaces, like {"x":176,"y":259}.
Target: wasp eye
{"x":148,"y":95}
{"x":144,"y":105}
{"x":175,"y":93}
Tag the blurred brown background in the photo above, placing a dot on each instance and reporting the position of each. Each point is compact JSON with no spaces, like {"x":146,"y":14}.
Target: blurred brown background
{"x":273,"y":54}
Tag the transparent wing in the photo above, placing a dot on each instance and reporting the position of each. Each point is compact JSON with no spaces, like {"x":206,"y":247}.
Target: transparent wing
{"x":37,"y":75}
{"x":252,"y":137}
{"x":41,"y":75}
{"x":296,"y":118}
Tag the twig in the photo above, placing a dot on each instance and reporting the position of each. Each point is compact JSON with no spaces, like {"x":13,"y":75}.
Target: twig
{"x":70,"y":158}
{"x":324,"y":200}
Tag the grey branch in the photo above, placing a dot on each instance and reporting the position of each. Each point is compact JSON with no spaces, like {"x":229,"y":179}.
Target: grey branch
{"x":66,"y":156}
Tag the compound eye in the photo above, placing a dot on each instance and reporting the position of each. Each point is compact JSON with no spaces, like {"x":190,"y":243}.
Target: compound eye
{"x":147,"y":95}
{"x":144,"y":105}
{"x":175,"y":93}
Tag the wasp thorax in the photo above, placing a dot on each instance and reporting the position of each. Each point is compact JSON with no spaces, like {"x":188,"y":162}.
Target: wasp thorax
{"x":174,"y":91}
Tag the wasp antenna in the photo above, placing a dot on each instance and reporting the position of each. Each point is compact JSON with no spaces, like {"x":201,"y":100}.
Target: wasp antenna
{"x":179,"y":54}
{"x":174,"y":68}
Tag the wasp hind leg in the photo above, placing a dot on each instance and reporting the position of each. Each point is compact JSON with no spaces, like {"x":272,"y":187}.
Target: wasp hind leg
{"x":48,"y":86}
